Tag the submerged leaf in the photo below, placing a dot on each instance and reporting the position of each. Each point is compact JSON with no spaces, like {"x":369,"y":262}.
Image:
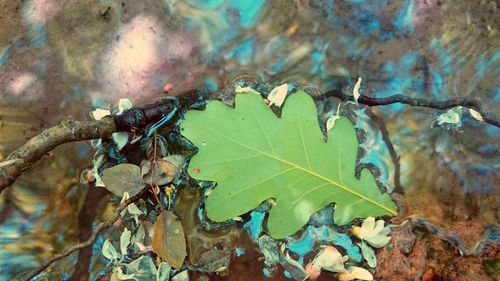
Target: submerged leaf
{"x":254,"y":156}
{"x":143,"y":269}
{"x":168,"y":239}
{"x":182,"y":276}
{"x":123,"y":178}
{"x":163,"y":272}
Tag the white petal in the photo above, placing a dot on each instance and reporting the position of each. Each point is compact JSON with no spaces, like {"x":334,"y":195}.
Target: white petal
{"x":243,"y":89}
{"x":331,"y":122}
{"x":475,"y":114}
{"x":329,"y":259}
{"x":98,"y":114}
{"x":278,"y":95}
{"x":355,"y":273}
{"x":355,"y":91}
{"x":378,"y":241}
{"x":367,"y":227}
{"x":379,"y":226}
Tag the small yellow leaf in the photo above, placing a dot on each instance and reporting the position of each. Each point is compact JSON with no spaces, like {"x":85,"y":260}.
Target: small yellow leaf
{"x":168,"y":239}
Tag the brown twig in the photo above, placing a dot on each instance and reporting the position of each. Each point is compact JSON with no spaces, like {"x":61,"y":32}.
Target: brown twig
{"x":89,"y":242}
{"x":86,"y":218}
{"x":70,"y":131}
{"x":420,"y":102}
{"x":390,"y":147}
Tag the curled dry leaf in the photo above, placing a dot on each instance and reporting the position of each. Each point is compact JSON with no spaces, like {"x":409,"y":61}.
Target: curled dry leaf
{"x":355,"y":91}
{"x":355,"y":272}
{"x":168,"y":239}
{"x":123,"y":178}
{"x":160,"y":172}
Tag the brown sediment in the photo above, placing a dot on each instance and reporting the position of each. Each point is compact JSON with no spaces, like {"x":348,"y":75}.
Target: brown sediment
{"x":200,"y":240}
{"x":430,"y":252}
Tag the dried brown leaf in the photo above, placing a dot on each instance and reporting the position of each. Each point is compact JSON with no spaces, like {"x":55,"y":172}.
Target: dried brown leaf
{"x":161,"y":172}
{"x":123,"y":178}
{"x":168,"y":239}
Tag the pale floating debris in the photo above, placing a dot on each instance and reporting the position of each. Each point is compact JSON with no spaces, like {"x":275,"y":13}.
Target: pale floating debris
{"x":278,"y":95}
{"x":476,"y":115}
{"x":182,"y":276}
{"x":355,"y":91}
{"x":100,"y":113}
{"x":331,"y":121}
{"x":329,"y":258}
{"x":451,"y":116}
{"x":120,"y":139}
{"x":374,"y":233}
{"x":243,"y":89}
{"x":355,"y":272}
{"x":123,"y":105}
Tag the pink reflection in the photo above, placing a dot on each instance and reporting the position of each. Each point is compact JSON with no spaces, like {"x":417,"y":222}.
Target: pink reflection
{"x":41,"y":11}
{"x":142,"y":58}
{"x":20,"y":83}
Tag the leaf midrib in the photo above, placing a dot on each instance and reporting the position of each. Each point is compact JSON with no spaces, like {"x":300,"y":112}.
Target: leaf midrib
{"x":304,"y":170}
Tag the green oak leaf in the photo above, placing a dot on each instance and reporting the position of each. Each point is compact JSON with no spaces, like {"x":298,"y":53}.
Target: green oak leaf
{"x":254,"y":155}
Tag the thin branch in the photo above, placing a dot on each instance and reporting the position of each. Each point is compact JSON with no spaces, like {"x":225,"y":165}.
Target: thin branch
{"x":93,"y":237}
{"x":390,"y":147}
{"x":86,"y":218}
{"x":70,"y":131}
{"x":420,"y":102}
